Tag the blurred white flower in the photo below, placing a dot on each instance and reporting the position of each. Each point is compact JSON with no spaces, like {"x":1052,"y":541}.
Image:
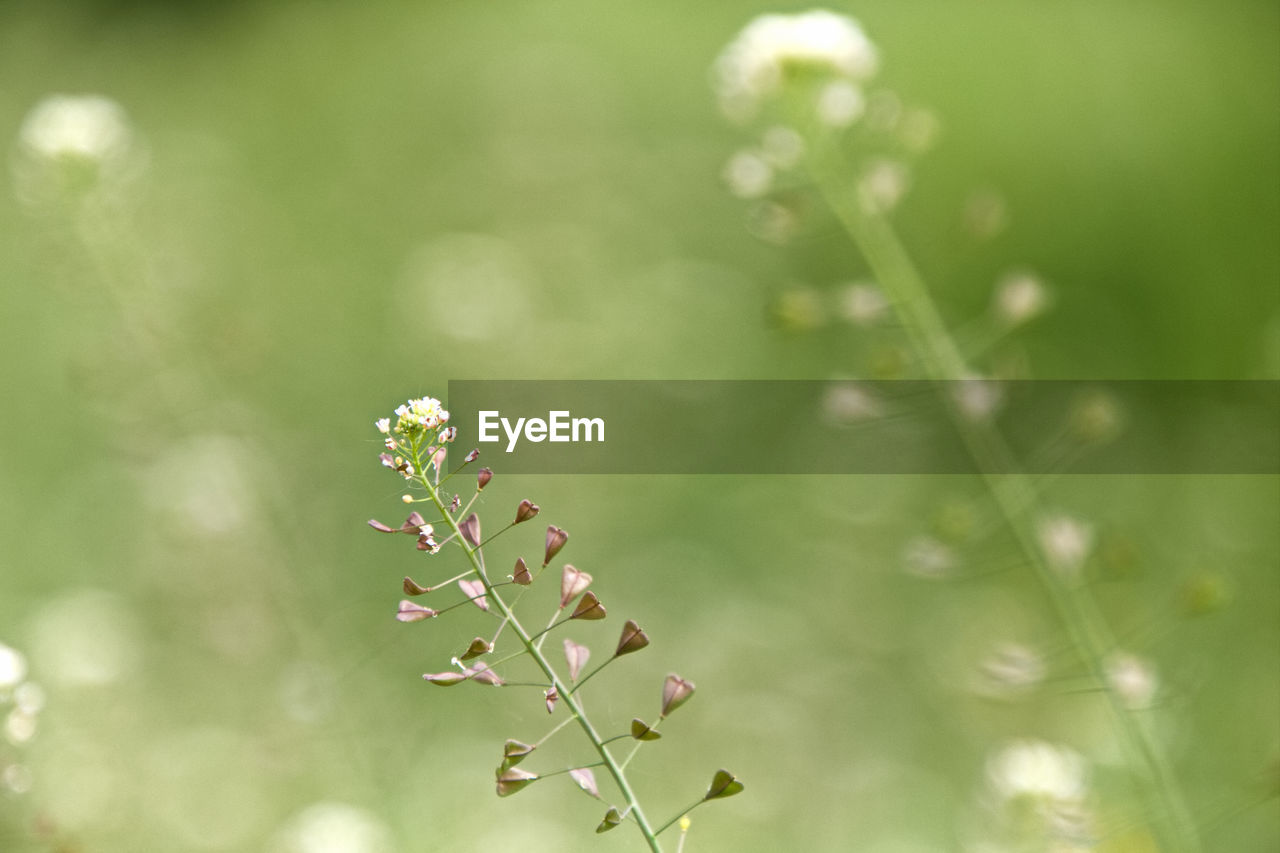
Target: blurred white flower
{"x":1013,"y":667}
{"x":847,"y":403}
{"x":863,"y":304}
{"x":840,"y":104}
{"x":13,"y":667}
{"x":29,"y":697}
{"x":783,"y":147}
{"x":19,"y":726}
{"x":17,"y":778}
{"x":90,"y":127}
{"x":332,"y":827}
{"x":748,"y":175}
{"x":883,"y":184}
{"x":1020,"y":297}
{"x":753,"y":66}
{"x":977,"y":398}
{"x":1066,"y":543}
{"x":1038,"y":771}
{"x":926,"y":557}
{"x":1096,"y":416}
{"x":1133,"y":679}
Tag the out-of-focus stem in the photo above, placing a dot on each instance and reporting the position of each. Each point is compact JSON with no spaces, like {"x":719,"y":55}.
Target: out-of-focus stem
{"x":1013,"y":491}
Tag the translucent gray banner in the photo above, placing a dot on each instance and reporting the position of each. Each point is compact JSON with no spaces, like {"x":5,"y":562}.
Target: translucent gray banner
{"x":870,"y":427}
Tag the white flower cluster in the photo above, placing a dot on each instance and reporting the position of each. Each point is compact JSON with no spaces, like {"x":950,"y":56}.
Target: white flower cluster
{"x":754,"y":65}
{"x":1038,"y":771}
{"x":421,"y":414}
{"x":88,"y":127}
{"x":26,"y":699}
{"x":1052,"y":781}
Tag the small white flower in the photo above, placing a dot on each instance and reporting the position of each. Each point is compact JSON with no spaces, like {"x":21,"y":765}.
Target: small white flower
{"x":883,"y":184}
{"x":754,"y":65}
{"x":1132,"y":679}
{"x":424,"y":413}
{"x":88,"y":127}
{"x":926,"y":557}
{"x":1013,"y":667}
{"x":748,"y":175}
{"x":13,"y":667}
{"x":19,"y":726}
{"x":847,"y":403}
{"x":383,"y":425}
{"x":447,"y":434}
{"x":29,"y":697}
{"x":978,"y":398}
{"x":1066,"y":543}
{"x":1038,"y":771}
{"x":840,"y":104}
{"x":1020,"y":297}
{"x":863,"y":304}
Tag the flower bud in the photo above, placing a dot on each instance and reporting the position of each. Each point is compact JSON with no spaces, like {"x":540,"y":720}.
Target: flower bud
{"x":632,"y":640}
{"x":483,"y":476}
{"x":470,"y":528}
{"x":552,"y":696}
{"x":573,"y":582}
{"x":589,"y":608}
{"x":525,"y":511}
{"x":410,"y":612}
{"x":521,"y":575}
{"x":555,"y":541}
{"x":473,"y":456}
{"x":675,"y":692}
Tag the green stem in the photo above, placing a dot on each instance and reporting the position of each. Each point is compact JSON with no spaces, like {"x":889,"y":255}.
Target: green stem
{"x":1014,"y":492}
{"x":589,"y":675}
{"x":687,"y":809}
{"x":566,"y":696}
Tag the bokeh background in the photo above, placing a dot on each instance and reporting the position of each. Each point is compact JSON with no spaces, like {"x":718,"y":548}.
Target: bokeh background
{"x":321,"y":209}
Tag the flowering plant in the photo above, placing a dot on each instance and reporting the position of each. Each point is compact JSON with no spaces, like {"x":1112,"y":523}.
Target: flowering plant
{"x":417,"y":445}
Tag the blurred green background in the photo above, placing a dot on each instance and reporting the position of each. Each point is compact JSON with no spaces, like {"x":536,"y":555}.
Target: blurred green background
{"x":326,"y":208}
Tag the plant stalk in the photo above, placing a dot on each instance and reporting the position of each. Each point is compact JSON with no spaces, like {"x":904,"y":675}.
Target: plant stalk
{"x":1012,"y":490}
{"x":565,"y":692}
